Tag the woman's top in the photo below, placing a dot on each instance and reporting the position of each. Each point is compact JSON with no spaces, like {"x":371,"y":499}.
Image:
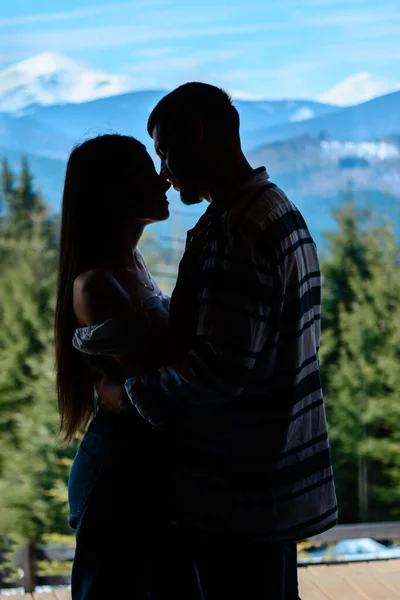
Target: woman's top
{"x":136,"y":334}
{"x":130,"y":333}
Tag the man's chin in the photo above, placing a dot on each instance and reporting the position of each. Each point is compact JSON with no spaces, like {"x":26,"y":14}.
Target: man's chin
{"x":176,"y":185}
{"x":190,"y":195}
{"x":191,"y":200}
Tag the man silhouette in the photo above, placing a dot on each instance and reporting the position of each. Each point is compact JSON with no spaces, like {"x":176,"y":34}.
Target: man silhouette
{"x":250,"y":462}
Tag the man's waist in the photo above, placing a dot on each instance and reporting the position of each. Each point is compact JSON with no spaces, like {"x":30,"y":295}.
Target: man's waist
{"x":215,"y":506}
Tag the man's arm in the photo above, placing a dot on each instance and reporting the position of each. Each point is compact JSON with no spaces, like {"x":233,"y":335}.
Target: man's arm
{"x":236,"y":319}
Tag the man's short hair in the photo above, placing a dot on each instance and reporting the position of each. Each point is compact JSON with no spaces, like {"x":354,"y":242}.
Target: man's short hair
{"x":212,"y":105}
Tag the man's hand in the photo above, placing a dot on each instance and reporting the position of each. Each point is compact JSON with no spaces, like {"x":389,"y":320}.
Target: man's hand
{"x":112,"y":395}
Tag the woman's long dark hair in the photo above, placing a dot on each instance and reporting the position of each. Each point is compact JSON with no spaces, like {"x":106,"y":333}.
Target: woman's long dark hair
{"x":98,"y":195}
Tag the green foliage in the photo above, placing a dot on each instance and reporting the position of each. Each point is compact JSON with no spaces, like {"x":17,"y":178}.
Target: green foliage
{"x":360,"y":358}
{"x":33,"y":464}
{"x":161,"y":261}
{"x":56,"y":567}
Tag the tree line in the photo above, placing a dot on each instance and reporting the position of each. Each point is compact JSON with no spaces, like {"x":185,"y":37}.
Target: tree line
{"x":360,"y":364}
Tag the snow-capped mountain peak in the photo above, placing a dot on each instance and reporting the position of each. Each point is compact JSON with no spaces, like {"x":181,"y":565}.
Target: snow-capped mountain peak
{"x":50,"y":78}
{"x":358,"y":88}
{"x":302,"y":114}
{"x":43,"y":64}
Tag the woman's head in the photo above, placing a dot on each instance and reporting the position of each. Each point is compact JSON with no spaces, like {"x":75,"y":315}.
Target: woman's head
{"x":110,"y":182}
{"x":110,"y":185}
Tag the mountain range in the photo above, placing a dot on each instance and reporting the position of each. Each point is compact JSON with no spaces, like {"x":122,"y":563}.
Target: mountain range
{"x":53,"y":130}
{"x":312,"y":149}
{"x":50,"y":78}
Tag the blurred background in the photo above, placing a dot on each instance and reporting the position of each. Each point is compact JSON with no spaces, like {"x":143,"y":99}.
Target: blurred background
{"x":317,"y":86}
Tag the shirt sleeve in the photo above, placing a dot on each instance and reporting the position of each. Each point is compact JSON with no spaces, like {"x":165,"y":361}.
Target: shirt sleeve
{"x":239,"y":282}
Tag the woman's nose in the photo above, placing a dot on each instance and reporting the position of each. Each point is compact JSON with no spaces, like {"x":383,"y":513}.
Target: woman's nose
{"x":167,"y":184}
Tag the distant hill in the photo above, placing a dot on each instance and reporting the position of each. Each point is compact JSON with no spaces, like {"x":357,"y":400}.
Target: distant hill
{"x":313,"y":166}
{"x":312,"y":159}
{"x":126,"y":113}
{"x":48,"y":173}
{"x":29,"y":135}
{"x":53,"y":130}
{"x":316,"y":175}
{"x":364,"y":122}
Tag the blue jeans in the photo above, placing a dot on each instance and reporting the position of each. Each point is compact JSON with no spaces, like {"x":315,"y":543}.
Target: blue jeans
{"x":126,"y":546}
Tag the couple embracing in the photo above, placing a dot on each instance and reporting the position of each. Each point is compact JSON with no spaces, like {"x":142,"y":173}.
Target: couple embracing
{"x":206,"y":457}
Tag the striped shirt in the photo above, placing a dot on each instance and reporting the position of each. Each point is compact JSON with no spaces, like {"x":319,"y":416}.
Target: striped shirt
{"x":245,"y":407}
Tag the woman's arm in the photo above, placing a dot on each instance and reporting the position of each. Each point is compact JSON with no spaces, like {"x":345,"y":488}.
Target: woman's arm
{"x":142,"y":335}
{"x":98,"y":296}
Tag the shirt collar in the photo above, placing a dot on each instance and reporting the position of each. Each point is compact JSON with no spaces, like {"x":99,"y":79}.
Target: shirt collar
{"x":230,"y":198}
{"x":232,"y":195}
{"x":258,"y":175}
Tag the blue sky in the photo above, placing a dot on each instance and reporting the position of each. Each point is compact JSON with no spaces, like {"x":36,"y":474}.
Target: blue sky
{"x":260,"y":48}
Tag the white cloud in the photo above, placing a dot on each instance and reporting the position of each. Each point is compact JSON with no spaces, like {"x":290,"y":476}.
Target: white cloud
{"x":376,"y":31}
{"x":277,"y":83}
{"x":358,"y":88}
{"x":176,"y":63}
{"x":164,"y":61}
{"x":152,"y":52}
{"x":347,"y":18}
{"x":77,"y":13}
{"x":242,"y":95}
{"x":353,"y":25}
{"x":374,"y":52}
{"x":318,"y":3}
{"x":8,"y":57}
{"x":289,"y":71}
{"x":65,"y":40}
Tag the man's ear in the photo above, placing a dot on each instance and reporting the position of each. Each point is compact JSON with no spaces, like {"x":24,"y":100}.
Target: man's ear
{"x":195,"y":132}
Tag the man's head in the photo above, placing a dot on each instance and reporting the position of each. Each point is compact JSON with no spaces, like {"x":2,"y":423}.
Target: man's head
{"x":193,"y":127}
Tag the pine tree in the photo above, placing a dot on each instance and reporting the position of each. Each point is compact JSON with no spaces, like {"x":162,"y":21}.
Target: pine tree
{"x":7,"y":186}
{"x":360,"y":344}
{"x":23,"y":206}
{"x":33,"y":464}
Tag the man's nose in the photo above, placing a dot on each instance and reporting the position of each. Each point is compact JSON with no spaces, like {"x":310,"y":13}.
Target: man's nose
{"x":164,"y":171}
{"x":166,"y":184}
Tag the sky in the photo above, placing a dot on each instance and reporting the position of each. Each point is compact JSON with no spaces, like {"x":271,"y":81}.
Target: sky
{"x":254,"y":48}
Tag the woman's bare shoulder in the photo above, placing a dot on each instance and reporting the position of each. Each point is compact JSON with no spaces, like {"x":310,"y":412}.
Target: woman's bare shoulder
{"x":98,"y":296}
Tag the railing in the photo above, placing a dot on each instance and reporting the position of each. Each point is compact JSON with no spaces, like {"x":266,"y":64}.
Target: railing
{"x":26,"y":559}
{"x":376,"y":531}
